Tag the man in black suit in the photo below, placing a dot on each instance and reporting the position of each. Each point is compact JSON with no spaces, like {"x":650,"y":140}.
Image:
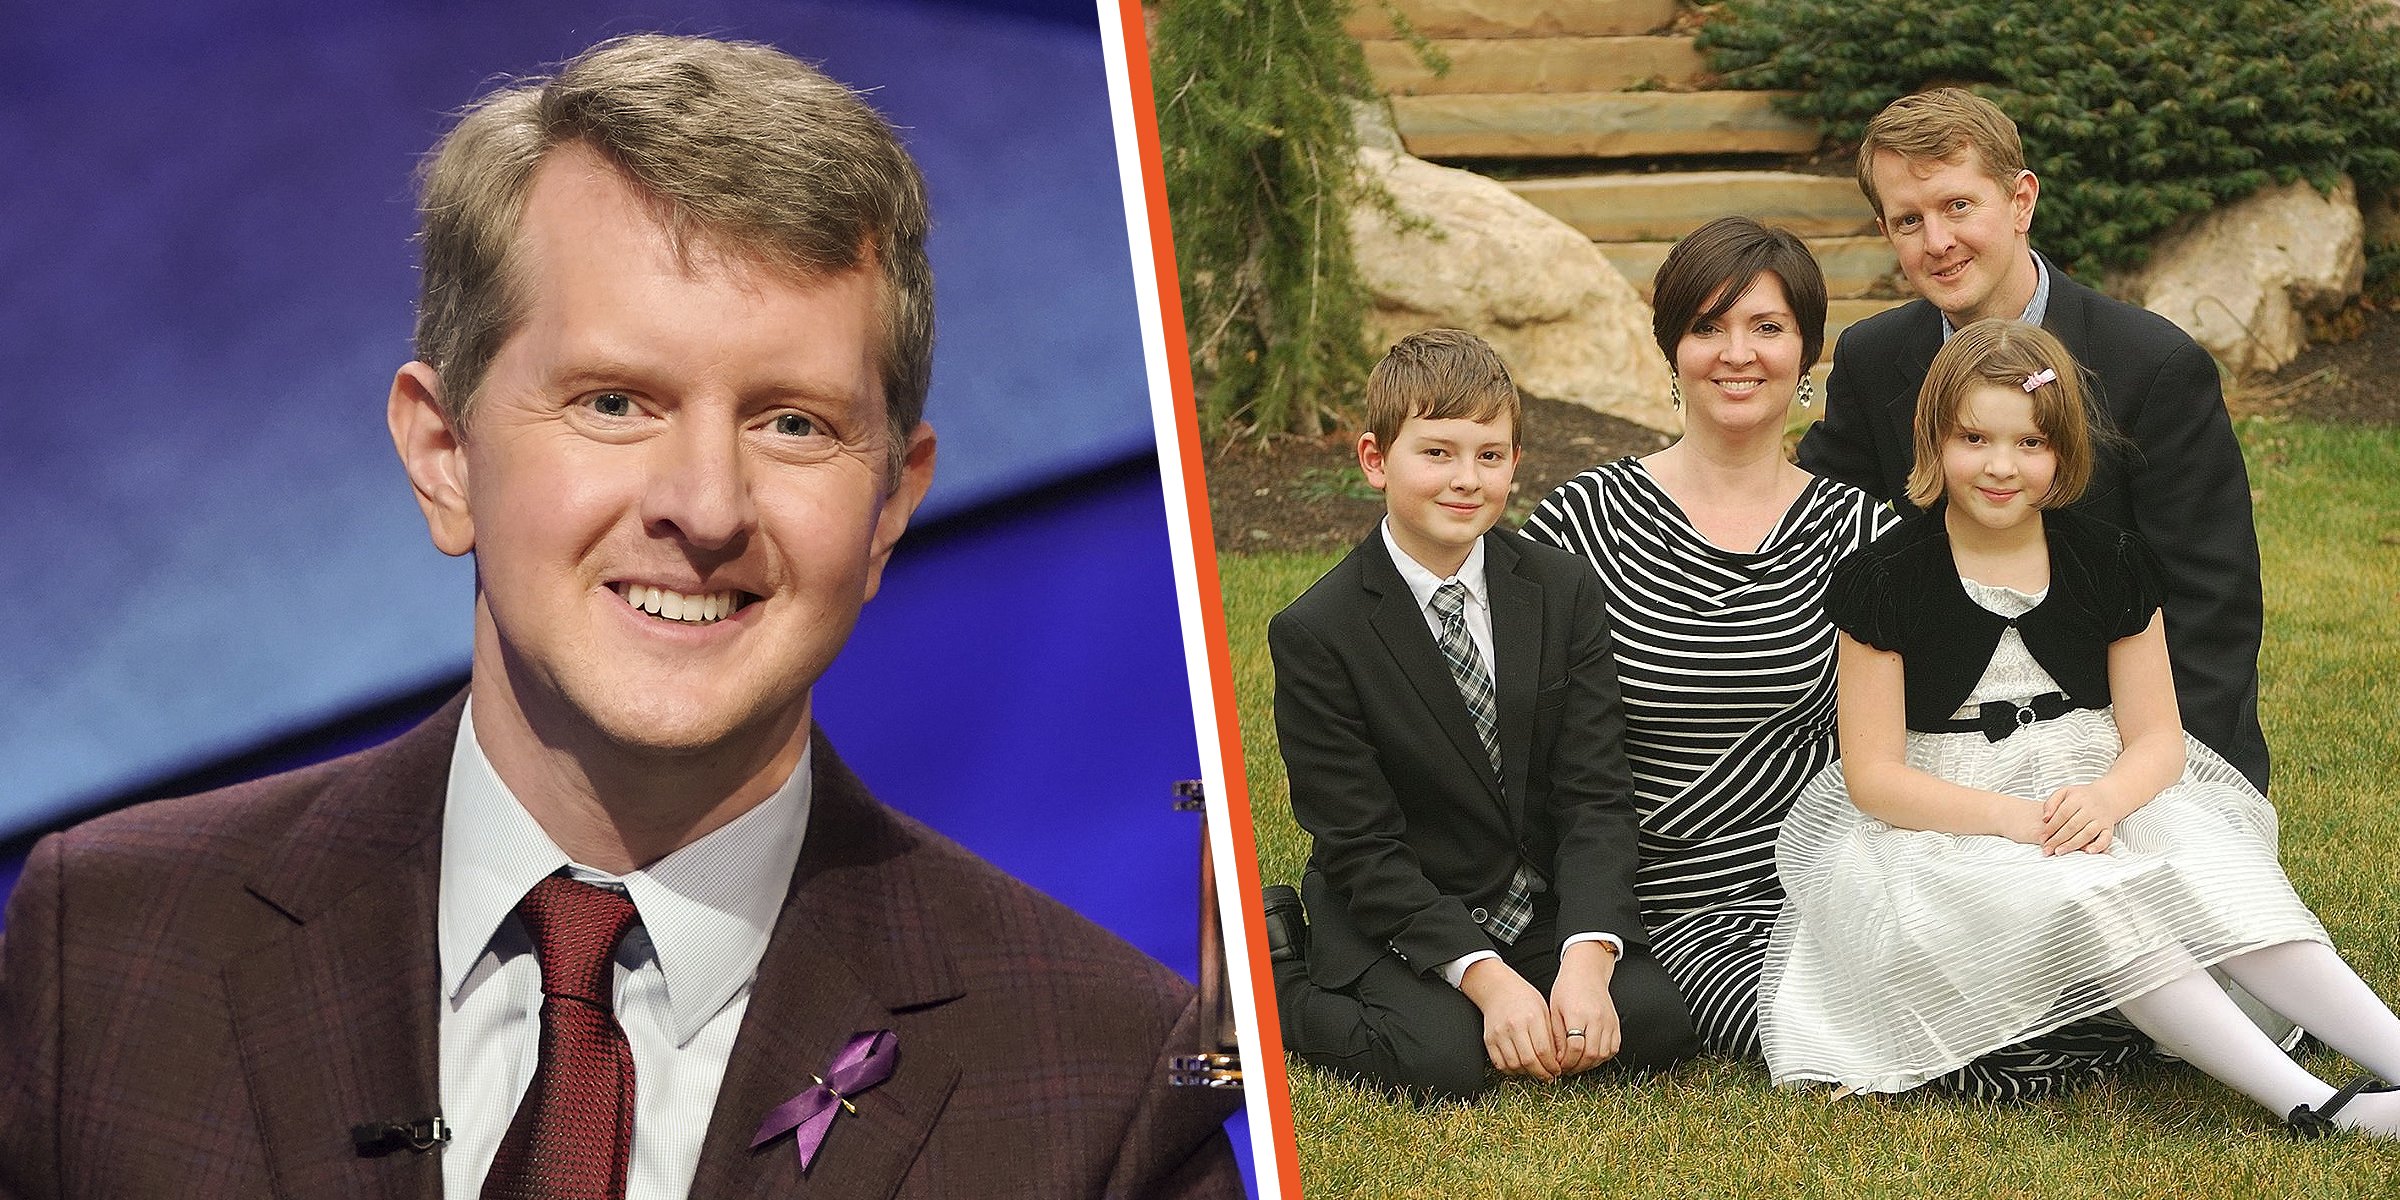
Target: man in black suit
{"x":1447,"y":707}
{"x":1945,"y":173}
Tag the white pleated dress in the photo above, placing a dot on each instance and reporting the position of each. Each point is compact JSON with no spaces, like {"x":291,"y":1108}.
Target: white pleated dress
{"x":1901,"y":955}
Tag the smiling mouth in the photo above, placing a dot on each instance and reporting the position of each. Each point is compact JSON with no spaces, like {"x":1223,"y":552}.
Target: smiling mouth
{"x":706,"y":608}
{"x":1740,"y":387}
{"x":1950,"y":273}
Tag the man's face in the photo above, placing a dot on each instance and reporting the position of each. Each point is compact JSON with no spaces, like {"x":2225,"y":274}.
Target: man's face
{"x":1960,"y":235}
{"x":673,"y":479}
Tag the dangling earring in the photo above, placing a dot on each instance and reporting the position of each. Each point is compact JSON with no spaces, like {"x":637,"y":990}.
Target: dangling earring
{"x":1674,"y":390}
{"x":1808,"y":390}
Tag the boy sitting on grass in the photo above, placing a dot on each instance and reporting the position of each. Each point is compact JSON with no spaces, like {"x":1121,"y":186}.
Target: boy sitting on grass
{"x":1448,"y":712}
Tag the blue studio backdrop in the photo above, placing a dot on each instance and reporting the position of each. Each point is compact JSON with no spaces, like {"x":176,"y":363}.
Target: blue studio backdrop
{"x":218,"y":564}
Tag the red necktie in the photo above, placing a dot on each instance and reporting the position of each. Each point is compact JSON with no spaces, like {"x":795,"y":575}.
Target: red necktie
{"x":573,"y":1132}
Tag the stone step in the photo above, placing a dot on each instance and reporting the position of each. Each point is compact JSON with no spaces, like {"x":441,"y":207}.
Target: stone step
{"x":1598,"y":125}
{"x":1548,"y":65}
{"x":1842,"y":314}
{"x":1854,"y":266}
{"x":1513,"y":18}
{"x":1668,"y":205}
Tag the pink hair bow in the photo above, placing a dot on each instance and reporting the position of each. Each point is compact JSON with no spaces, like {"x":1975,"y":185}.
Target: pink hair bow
{"x":2038,"y":378}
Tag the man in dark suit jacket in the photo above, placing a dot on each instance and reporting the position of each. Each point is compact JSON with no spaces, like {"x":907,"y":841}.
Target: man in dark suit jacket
{"x":673,"y":352}
{"x":1946,"y":174}
{"x":1471,"y":899}
{"x":206,"y":994}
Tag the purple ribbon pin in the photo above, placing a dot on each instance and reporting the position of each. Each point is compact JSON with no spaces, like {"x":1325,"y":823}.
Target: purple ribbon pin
{"x":868,"y":1060}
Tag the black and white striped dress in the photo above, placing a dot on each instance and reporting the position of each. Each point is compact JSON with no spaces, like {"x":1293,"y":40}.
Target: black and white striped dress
{"x":1725,"y":660}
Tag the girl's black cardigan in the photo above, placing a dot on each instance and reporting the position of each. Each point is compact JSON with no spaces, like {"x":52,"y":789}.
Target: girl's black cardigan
{"x":1902,"y":593}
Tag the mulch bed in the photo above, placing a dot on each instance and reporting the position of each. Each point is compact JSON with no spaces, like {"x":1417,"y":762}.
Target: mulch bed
{"x":1296,"y":493}
{"x":1305,"y":494}
{"x":2351,"y":382}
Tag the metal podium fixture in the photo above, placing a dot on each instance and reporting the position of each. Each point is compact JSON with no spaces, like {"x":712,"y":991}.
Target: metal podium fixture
{"x":1219,"y":1062}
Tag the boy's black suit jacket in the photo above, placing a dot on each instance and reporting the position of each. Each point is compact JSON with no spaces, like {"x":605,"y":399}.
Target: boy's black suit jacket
{"x":2180,"y":483}
{"x":1413,"y":833}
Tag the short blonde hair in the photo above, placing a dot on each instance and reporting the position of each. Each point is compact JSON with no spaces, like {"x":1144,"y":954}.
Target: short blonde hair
{"x":739,"y":144}
{"x":1999,"y":352}
{"x":1939,"y":126}
{"x":1438,"y":375}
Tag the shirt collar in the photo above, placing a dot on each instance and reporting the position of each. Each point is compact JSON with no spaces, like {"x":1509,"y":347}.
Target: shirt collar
{"x":2035,"y":309}
{"x":707,"y":908}
{"x":1421,"y":582}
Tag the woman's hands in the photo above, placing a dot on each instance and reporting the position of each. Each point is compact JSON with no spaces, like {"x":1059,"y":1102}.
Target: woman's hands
{"x":1573,"y":1031}
{"x":1582,"y":1016}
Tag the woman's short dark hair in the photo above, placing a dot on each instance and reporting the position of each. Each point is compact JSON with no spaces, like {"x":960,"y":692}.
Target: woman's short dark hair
{"x":1717,"y":262}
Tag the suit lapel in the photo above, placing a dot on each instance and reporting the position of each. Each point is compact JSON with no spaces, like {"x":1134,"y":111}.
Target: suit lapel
{"x":1516,"y":644}
{"x":334,"y":1012}
{"x":336,"y":1015}
{"x":850,"y":950}
{"x":1917,"y":348}
{"x":1911,"y":356}
{"x":1400,"y":624}
{"x":2069,"y":318}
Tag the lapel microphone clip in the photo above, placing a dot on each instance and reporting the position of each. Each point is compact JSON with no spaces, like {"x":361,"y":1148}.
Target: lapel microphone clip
{"x":382,"y":1137}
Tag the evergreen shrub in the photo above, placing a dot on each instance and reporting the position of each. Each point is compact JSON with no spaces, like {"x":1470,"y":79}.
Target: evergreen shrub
{"x":1261,"y":170}
{"x":2134,"y":114}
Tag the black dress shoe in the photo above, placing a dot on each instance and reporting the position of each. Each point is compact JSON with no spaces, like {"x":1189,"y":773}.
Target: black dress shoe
{"x":1287,"y":925}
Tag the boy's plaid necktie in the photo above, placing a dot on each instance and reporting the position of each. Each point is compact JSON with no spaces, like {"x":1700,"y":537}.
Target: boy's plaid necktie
{"x":1475,"y":686}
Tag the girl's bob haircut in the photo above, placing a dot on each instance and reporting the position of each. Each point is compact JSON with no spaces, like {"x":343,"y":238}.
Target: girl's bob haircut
{"x":1998,"y":352}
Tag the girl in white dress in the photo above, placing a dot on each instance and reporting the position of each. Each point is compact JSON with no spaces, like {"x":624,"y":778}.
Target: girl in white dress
{"x":2019,"y":834}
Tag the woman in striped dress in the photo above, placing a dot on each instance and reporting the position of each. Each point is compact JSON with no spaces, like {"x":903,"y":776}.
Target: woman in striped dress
{"x":1716,"y":552}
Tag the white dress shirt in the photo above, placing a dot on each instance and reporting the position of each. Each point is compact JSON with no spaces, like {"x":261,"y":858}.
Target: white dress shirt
{"x":1422,"y":583}
{"x":682,"y":981}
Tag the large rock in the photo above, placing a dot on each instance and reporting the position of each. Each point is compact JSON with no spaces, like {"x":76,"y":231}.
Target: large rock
{"x":1468,"y":253}
{"x":2240,"y":279}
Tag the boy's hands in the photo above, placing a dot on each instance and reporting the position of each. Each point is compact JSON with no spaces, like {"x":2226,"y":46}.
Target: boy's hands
{"x":1516,"y":1023}
{"x":1579,"y":1000}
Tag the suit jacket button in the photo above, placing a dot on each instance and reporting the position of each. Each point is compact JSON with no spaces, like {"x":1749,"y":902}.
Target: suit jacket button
{"x":1481,"y":915}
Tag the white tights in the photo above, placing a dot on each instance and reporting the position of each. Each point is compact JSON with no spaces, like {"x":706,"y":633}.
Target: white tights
{"x":2308,"y":984}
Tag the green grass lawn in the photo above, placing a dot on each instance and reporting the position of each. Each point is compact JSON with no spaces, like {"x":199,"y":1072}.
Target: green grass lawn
{"x":2329,"y":526}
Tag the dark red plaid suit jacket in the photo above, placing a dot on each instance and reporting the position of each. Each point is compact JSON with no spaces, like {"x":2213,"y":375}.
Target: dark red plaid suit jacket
{"x":199,"y":997}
